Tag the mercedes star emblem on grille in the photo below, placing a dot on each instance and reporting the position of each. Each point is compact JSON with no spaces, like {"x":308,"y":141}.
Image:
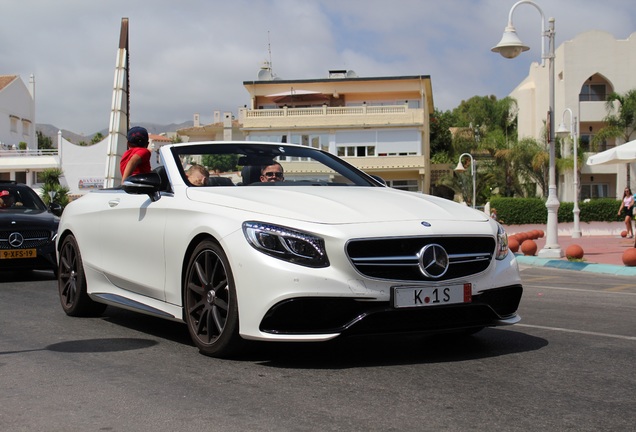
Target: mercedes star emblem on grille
{"x":433,"y":260}
{"x":16,"y":239}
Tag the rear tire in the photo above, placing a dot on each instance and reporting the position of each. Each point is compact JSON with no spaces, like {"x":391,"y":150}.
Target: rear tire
{"x":71,"y":282}
{"x":211,"y":307}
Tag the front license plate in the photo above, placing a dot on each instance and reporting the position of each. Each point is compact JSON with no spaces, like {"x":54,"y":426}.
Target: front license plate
{"x":408,"y":297}
{"x":18,"y":253}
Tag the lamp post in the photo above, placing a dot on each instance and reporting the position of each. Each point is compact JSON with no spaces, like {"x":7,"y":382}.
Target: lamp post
{"x":511,"y":46}
{"x":460,"y":168}
{"x":562,"y":131}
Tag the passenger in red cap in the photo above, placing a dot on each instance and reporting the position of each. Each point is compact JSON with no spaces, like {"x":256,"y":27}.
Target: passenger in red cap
{"x":6,"y":199}
{"x":136,"y":160}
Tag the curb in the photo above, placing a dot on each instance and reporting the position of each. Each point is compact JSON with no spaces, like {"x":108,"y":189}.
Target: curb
{"x":576,"y":266}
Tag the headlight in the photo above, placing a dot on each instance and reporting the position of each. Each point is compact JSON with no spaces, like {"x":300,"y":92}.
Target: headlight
{"x":286,"y":244}
{"x":502,"y":243}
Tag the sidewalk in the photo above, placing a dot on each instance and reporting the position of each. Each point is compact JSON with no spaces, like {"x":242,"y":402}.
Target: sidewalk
{"x":603,"y":253}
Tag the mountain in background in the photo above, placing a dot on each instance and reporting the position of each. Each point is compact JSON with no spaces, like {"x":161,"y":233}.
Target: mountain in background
{"x":153,"y":128}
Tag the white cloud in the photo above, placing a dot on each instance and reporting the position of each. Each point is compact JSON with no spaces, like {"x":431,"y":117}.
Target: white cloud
{"x":193,"y":56}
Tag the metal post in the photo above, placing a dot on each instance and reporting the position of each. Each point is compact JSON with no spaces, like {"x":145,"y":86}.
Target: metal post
{"x":551,"y":248}
{"x":576,"y":229}
{"x":460,"y":168}
{"x":511,"y":46}
{"x":573,"y":132}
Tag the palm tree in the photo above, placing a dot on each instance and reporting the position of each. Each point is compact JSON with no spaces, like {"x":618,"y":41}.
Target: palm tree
{"x":620,"y":120}
{"x":51,"y":180}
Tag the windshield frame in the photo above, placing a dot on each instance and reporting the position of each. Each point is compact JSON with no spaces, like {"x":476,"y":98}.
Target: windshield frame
{"x":258,"y":153}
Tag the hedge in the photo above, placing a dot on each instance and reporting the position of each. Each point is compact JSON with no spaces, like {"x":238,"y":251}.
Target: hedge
{"x":518,"y":211}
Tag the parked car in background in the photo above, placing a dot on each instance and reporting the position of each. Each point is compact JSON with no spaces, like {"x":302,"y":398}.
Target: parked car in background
{"x":28,"y":229}
{"x":322,"y":250}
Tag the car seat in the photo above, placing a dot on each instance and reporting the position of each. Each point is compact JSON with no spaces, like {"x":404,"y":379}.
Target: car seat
{"x":251,"y":174}
{"x":165,"y":183}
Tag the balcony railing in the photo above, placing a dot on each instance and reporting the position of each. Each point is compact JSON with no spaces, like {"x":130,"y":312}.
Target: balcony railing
{"x":331,"y":116}
{"x":326,"y":110}
{"x":9,"y":152}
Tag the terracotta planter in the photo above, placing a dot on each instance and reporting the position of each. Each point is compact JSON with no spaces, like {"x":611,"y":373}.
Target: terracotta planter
{"x":574,"y":251}
{"x":529,"y":248}
{"x":629,"y":257}
{"x":513,"y":244}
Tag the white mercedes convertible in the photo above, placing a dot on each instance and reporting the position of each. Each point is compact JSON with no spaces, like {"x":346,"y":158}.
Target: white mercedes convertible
{"x":321,"y":251}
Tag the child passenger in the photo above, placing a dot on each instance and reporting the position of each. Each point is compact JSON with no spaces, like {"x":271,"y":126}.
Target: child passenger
{"x":136,"y":160}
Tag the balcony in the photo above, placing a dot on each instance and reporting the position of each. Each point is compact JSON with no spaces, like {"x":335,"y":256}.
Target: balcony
{"x":331,"y":117}
{"x":592,"y":111}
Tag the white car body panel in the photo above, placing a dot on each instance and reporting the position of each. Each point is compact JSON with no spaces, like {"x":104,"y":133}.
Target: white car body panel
{"x":136,"y":248}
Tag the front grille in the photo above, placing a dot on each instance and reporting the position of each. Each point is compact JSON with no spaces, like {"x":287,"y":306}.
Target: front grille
{"x":31,"y":238}
{"x":322,"y":315}
{"x":398,"y":258}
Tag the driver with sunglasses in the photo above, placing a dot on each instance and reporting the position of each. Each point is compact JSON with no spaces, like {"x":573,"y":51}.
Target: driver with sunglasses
{"x":272,"y":173}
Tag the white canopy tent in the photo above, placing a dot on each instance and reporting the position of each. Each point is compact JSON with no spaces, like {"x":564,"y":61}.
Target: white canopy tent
{"x":624,"y":153}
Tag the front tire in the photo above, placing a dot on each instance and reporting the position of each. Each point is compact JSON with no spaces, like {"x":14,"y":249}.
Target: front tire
{"x":211,"y":306}
{"x":71,"y":282}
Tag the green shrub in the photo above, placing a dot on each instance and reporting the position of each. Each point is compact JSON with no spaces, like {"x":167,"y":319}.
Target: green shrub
{"x":518,"y":211}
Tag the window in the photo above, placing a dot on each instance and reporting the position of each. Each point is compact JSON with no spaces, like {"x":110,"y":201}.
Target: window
{"x":596,"y":190}
{"x":14,"y":124}
{"x":405,"y":185}
{"x":586,"y":144}
{"x":359,"y":151}
{"x":592,"y":93}
{"x":26,"y":128}
{"x":268,"y":138}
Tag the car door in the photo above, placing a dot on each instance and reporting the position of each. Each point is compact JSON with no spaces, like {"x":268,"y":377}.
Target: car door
{"x":133,"y":243}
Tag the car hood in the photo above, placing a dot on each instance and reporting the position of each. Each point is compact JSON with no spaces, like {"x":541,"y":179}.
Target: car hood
{"x":20,"y":218}
{"x":337,"y":204}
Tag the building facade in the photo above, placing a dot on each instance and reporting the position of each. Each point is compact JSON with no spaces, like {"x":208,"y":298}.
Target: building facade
{"x":17,"y":113}
{"x":587,"y":69}
{"x":378,"y":124}
{"x":20,"y":158}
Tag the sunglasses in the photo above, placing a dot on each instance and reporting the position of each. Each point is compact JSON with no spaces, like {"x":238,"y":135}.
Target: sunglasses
{"x":273,"y":174}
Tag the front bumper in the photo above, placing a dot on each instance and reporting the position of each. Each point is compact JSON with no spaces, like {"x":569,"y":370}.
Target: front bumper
{"x":353,"y":316}
{"x":45,"y":260}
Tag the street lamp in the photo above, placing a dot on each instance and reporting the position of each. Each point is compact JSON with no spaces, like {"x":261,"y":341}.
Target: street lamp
{"x":562,"y":131}
{"x":511,"y":46}
{"x":460,"y":168}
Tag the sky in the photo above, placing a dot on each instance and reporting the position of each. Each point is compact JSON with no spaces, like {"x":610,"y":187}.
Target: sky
{"x":192,"y":56}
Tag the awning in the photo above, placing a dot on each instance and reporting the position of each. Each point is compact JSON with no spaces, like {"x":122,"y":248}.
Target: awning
{"x":624,"y":153}
{"x":294,"y":95}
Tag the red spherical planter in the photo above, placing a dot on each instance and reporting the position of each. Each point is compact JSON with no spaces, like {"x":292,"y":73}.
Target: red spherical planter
{"x":537,"y":234}
{"x":541,"y":233}
{"x":513,"y":244}
{"x":574,"y":251}
{"x":521,"y":237}
{"x":629,"y":257}
{"x":529,"y":247}
{"x":623,"y":233}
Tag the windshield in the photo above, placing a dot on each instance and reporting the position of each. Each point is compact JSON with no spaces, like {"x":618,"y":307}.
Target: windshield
{"x":252,"y":164}
{"x":15,"y":197}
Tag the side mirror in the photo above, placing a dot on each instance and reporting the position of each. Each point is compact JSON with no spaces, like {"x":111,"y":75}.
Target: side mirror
{"x":143,"y":184}
{"x":56,"y":209}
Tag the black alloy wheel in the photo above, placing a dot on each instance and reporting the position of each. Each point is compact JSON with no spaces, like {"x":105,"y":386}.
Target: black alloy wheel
{"x":211,"y":309}
{"x":71,"y":282}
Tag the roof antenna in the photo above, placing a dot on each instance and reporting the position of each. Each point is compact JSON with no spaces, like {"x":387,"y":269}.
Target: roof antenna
{"x":269,"y":50}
